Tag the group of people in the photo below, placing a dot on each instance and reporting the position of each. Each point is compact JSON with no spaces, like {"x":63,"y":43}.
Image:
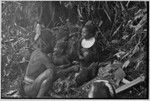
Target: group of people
{"x":42,"y":69}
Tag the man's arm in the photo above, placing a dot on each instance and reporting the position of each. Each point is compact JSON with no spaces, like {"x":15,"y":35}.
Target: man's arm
{"x":62,"y":61}
{"x":45,"y":60}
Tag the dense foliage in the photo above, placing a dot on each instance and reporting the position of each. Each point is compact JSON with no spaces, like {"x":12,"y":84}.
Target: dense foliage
{"x":122,"y":25}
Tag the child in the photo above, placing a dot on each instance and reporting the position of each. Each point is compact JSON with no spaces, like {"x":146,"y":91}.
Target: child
{"x":88,"y":54}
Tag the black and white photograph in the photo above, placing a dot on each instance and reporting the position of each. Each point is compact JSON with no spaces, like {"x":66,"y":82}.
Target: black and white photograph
{"x":74,"y":49}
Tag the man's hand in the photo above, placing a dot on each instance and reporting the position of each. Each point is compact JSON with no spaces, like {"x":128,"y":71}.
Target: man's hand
{"x":81,"y":57}
{"x":85,"y":54}
{"x":76,"y":68}
{"x":62,"y":66}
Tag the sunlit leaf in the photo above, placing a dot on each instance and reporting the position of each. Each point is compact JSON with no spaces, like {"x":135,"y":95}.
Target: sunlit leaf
{"x":119,"y":54}
{"x":23,"y":60}
{"x":126,"y":64}
{"x":11,"y":92}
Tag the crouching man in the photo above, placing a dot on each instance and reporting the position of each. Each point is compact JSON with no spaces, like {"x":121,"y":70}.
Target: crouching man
{"x":41,"y":72}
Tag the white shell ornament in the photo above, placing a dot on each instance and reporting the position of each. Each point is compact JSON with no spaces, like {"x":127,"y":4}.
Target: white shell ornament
{"x":88,"y":43}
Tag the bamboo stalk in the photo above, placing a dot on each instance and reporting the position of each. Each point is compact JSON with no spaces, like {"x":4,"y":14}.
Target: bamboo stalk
{"x":132,"y":83}
{"x":125,"y":81}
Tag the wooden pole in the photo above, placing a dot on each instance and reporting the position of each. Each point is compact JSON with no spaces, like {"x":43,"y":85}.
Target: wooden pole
{"x":132,"y":83}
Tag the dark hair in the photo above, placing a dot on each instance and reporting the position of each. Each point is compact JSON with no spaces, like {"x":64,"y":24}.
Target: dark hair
{"x":102,"y":91}
{"x":48,"y":38}
{"x":91,"y":28}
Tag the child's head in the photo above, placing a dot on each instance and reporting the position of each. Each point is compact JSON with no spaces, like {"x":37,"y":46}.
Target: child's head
{"x":89,"y":30}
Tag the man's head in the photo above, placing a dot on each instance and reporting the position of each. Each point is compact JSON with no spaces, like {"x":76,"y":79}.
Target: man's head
{"x":101,"y":89}
{"x":46,"y":41}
